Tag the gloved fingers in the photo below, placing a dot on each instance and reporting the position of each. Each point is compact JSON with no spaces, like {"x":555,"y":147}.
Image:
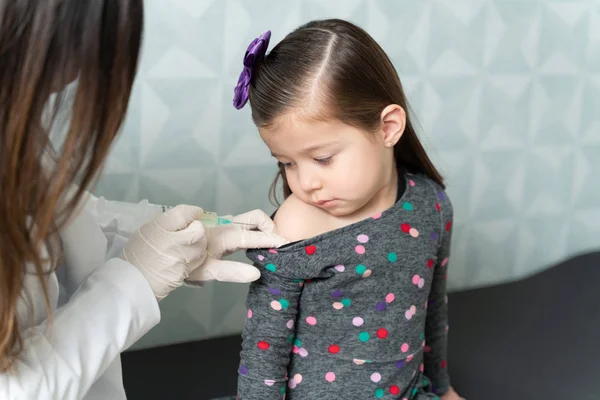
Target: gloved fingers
{"x":234,"y":240}
{"x":192,"y":254}
{"x":224,"y":271}
{"x":197,"y":263}
{"x":194,"y":233}
{"x":179,"y":217}
{"x":255,"y":219}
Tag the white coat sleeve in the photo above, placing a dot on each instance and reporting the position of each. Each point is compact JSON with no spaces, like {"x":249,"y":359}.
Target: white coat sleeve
{"x":113,"y":307}
{"x":119,"y":220}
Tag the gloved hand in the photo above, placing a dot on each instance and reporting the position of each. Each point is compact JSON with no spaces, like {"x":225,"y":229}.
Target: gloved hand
{"x":166,"y":248}
{"x":227,"y":239}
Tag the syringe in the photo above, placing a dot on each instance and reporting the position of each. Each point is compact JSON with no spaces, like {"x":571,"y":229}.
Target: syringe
{"x":211,"y":219}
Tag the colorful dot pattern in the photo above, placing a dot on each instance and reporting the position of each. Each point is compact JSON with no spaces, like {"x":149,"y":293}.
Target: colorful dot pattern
{"x":346,"y":314}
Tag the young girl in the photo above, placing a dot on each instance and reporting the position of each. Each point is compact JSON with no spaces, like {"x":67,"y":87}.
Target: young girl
{"x":355,"y":306}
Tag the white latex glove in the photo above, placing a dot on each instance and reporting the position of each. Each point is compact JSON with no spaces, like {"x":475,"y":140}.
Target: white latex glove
{"x":168,"y":247}
{"x":227,"y":239}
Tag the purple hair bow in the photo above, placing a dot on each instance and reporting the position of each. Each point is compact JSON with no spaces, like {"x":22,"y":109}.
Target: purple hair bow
{"x":255,"y":52}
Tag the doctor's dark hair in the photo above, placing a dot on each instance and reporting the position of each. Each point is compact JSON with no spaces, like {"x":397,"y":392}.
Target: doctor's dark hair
{"x":44,"y":46}
{"x":333,"y":69}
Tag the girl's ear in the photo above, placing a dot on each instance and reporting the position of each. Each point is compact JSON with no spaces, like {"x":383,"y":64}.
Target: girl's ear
{"x":393,"y":122}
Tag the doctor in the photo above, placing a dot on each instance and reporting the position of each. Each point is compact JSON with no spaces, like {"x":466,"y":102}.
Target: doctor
{"x":80,"y":277}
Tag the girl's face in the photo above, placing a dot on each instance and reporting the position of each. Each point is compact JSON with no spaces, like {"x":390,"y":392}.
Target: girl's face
{"x":334,"y":166}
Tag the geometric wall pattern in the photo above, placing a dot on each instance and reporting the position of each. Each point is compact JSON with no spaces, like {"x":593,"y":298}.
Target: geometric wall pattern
{"x":506,"y":95}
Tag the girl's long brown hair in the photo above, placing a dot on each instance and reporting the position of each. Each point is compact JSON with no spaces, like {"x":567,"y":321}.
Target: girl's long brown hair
{"x":355,"y":78}
{"x":45,"y":44}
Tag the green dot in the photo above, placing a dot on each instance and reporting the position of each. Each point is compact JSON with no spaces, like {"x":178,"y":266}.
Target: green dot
{"x":407,"y":206}
{"x":424,"y":383}
{"x":379,"y":393}
{"x":361,"y":269}
{"x":290,"y":338}
{"x":392,"y":257}
{"x":297,"y":342}
{"x":346,"y":302}
{"x":283,"y":389}
{"x":284,"y":303}
{"x":363,"y":336}
{"x":414,"y":392}
{"x":422,"y":336}
{"x":271,"y":267}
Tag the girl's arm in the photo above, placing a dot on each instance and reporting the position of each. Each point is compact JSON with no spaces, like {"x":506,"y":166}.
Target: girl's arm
{"x":268,"y":334}
{"x":437,"y":308}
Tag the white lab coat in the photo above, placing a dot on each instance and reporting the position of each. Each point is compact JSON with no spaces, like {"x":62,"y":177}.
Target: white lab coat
{"x":102,"y":306}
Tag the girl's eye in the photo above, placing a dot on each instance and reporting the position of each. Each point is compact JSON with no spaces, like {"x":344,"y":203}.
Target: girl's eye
{"x":323,"y":161}
{"x":286,"y":165}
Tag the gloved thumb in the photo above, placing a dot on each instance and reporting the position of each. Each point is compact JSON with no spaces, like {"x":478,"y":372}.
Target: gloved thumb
{"x":195,"y":232}
{"x":223,"y":271}
{"x":179,"y":217}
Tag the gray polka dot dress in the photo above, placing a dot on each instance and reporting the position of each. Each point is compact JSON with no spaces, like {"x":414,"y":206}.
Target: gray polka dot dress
{"x":355,"y":313}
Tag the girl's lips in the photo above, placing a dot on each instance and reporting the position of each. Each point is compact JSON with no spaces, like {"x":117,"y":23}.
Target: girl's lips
{"x":324,"y":203}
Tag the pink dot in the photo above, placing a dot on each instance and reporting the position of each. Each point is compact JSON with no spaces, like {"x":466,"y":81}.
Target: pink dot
{"x":292,"y":383}
{"x":272,"y":251}
{"x":330,"y":377}
{"x":362,"y":238}
{"x":249,"y":313}
{"x":421,"y":283}
{"x":444,"y":262}
{"x":413,"y":232}
{"x":275,"y":305}
{"x":415,"y":279}
{"x":311,"y":320}
{"x":390,"y":297}
{"x":411,"y":182}
{"x":358,"y":321}
{"x":427,"y":349}
{"x":360,"y":249}
{"x":404,"y":347}
{"x":303,"y":352}
{"x":408,"y":315}
{"x":413,"y":309}
{"x":358,"y":362}
{"x":269,"y":382}
{"x":337,"y":305}
{"x":422,"y":368}
{"x":340,"y":268}
{"x":376,"y":377}
{"x":377,"y":216}
{"x":295,"y":349}
{"x":290,"y":324}
{"x":410,"y":357}
{"x":298,"y":378}
{"x":367,"y":273}
{"x":261,"y":257}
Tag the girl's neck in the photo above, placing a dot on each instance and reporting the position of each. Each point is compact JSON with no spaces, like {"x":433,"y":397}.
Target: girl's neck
{"x":382,"y":200}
